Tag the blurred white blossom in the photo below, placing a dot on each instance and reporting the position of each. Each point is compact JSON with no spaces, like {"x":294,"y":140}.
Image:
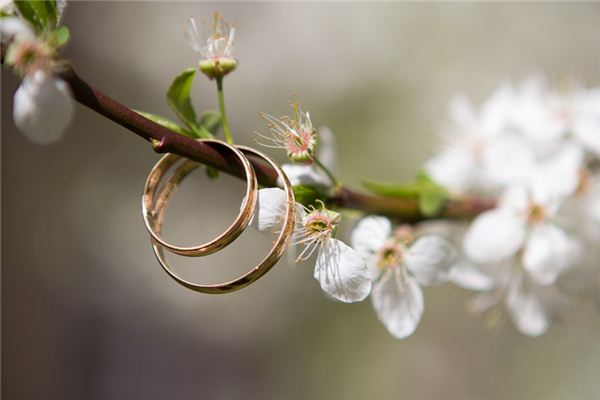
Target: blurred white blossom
{"x":42,"y":107}
{"x":537,"y":150}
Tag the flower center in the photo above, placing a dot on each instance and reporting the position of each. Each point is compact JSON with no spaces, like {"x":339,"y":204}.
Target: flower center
{"x":536,"y":213}
{"x":391,"y":254}
{"x":31,"y":56}
{"x":584,"y":182}
{"x":320,"y":223}
{"x":300,"y":142}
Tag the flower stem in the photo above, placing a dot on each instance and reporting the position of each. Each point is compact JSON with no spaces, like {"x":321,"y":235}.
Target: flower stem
{"x":224,"y":121}
{"x":329,"y":174}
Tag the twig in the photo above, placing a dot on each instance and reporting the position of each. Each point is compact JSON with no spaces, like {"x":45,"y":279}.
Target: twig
{"x":165,"y":140}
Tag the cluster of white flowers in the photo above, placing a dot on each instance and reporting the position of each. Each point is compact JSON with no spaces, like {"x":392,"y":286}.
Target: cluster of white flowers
{"x":533,"y":149}
{"x":43,"y":107}
{"x":390,"y":265}
{"x":537,"y":151}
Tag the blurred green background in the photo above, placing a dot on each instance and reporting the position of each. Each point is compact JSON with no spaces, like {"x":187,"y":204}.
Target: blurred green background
{"x":88,"y":314}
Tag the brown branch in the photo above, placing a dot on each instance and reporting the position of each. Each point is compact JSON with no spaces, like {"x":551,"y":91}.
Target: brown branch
{"x":165,"y":140}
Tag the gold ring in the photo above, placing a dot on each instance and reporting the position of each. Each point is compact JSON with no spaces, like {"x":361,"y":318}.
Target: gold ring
{"x":279,"y":246}
{"x":230,"y":234}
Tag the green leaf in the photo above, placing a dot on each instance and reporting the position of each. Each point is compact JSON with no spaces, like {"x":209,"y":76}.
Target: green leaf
{"x":41,"y":14}
{"x":178,"y":98}
{"x":60,"y":36}
{"x":212,"y":173}
{"x":411,"y":189}
{"x":46,"y":12}
{"x":211,"y":120}
{"x":430,"y":196}
{"x":28,"y":12}
{"x":307,"y":195}
{"x":432,"y":200}
{"x":167,"y":123}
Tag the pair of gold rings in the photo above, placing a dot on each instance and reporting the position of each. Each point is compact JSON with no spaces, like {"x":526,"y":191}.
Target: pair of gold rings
{"x":156,"y":198}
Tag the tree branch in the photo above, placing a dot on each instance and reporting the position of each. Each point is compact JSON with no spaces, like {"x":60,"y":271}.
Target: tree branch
{"x":167,"y":141}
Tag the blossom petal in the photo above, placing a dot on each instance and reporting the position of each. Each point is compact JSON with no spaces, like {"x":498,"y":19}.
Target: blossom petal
{"x":467,"y":275}
{"x":398,"y":302}
{"x":547,"y":253}
{"x":304,"y":174}
{"x":429,"y":259}
{"x":496,"y":111}
{"x":494,"y":236}
{"x":453,"y":168}
{"x":14,"y":27}
{"x":587,"y":125}
{"x":370,"y":234}
{"x":507,"y":147}
{"x":526,"y":309}
{"x":270,"y":210}
{"x":558,"y":177}
{"x":341,"y":272}
{"x":42,"y":107}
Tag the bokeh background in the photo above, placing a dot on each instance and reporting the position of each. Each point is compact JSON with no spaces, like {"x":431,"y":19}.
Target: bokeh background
{"x":87,"y":313}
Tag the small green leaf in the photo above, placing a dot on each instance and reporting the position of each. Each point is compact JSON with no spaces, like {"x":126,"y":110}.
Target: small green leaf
{"x":46,"y":12}
{"x":307,"y":195}
{"x":432,"y":200}
{"x":178,"y":98}
{"x":28,"y":12}
{"x":212,"y":173}
{"x":211,"y":120}
{"x":431,"y":197}
{"x":167,"y":123}
{"x":410,"y":189}
{"x":60,"y":36}
{"x":41,"y":14}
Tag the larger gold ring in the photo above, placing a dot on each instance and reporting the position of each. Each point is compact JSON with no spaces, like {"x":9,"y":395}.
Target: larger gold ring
{"x":221,"y":241}
{"x":279,"y":246}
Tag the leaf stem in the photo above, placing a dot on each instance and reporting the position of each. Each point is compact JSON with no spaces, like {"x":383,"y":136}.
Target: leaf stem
{"x":224,"y":121}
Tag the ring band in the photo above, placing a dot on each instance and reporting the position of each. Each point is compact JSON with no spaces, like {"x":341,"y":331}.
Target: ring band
{"x":235,"y":229}
{"x":279,"y":246}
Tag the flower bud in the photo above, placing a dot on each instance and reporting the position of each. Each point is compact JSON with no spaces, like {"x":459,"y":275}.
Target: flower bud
{"x":218,"y":67}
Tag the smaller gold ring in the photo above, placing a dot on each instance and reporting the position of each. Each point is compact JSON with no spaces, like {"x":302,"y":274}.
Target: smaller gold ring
{"x":230,"y":234}
{"x":279,"y":246}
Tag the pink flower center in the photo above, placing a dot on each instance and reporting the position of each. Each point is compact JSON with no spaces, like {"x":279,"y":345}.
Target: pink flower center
{"x":301,"y":142}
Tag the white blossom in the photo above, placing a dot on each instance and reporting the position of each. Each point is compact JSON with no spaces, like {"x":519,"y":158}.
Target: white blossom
{"x":398,"y":266}
{"x":340,"y":270}
{"x":477,"y":144}
{"x":42,"y":106}
{"x":523,"y":227}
